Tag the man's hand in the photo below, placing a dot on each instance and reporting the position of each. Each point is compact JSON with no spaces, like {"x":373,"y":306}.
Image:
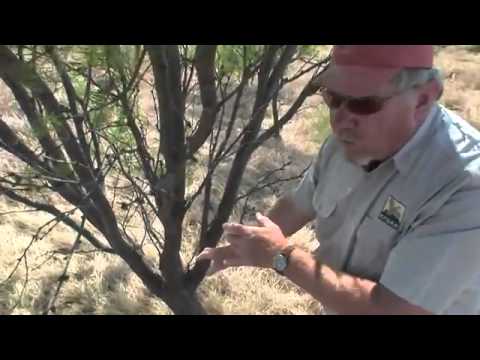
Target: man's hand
{"x":249,"y":246}
{"x":339,"y":292}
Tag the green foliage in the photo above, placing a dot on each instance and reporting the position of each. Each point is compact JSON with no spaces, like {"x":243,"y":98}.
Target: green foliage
{"x":309,"y":51}
{"x":187,"y":52}
{"x":231,"y":58}
{"x":49,"y":122}
{"x":113,"y":63}
{"x":320,"y":125}
{"x":79,"y":83}
{"x":84,"y":55}
{"x":63,"y":170}
{"x":107,"y":117}
{"x":116,"y":59}
{"x":119,"y":133}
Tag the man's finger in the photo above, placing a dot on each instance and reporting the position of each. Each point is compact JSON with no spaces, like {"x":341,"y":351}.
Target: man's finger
{"x":235,"y":240}
{"x":219,"y":258}
{"x":206,"y":254}
{"x":233,"y":262}
{"x":264,"y":220}
{"x":223,"y":256}
{"x":237,"y":229}
{"x":215,"y":254}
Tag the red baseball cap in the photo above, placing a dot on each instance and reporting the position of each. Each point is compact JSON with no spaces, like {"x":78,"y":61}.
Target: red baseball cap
{"x":361,"y":70}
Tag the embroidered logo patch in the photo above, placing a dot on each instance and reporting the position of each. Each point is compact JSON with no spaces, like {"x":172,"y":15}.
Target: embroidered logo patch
{"x":393,"y":213}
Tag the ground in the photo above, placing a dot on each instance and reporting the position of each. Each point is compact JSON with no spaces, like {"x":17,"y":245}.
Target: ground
{"x":102,"y":284}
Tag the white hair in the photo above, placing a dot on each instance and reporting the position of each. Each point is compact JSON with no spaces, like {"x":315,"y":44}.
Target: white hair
{"x":409,"y":78}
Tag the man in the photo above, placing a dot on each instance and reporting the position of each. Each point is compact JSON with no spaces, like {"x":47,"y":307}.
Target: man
{"x":394,"y":192}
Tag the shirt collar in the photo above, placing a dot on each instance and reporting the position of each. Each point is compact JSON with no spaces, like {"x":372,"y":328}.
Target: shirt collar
{"x":405,"y":158}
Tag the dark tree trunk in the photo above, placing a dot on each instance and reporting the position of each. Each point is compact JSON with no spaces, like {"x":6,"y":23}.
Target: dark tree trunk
{"x":183,"y":302}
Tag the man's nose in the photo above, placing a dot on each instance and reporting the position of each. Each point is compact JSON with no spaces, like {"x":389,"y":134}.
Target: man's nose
{"x":341,"y":119}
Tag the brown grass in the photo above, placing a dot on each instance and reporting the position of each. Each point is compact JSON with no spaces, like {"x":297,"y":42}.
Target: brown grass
{"x":103,"y":284}
{"x":462,"y":90}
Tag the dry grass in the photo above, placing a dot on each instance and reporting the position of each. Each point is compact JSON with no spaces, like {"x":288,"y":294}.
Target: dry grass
{"x":462,"y":91}
{"x":98,"y":283}
{"x":103,"y":284}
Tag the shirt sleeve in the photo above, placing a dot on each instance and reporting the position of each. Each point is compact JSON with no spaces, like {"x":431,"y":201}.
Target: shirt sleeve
{"x":302,"y":194}
{"x":435,"y":263}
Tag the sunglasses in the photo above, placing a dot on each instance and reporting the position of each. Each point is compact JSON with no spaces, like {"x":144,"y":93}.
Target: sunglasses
{"x":360,"y":106}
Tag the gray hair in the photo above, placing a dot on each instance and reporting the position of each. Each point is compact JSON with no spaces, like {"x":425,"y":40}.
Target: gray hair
{"x":410,"y":78}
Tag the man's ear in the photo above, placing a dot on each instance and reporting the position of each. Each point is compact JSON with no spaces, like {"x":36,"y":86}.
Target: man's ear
{"x":427,"y":95}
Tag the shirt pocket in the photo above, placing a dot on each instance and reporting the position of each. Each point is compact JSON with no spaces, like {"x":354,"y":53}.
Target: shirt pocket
{"x":326,"y":217}
{"x":374,"y":242}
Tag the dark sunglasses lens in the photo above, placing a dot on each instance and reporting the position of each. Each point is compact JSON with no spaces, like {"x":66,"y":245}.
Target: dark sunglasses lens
{"x":362,"y":106}
{"x":365,"y":106}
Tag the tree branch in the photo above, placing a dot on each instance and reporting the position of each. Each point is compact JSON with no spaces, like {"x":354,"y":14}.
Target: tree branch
{"x":63,"y":277}
{"x":205,"y":64}
{"x":140,"y":141}
{"x":165,"y":61}
{"x":15,"y":69}
{"x":309,"y":90}
{"x":72,"y":100}
{"x":264,"y":92}
{"x":40,"y":130}
{"x":57,"y":213}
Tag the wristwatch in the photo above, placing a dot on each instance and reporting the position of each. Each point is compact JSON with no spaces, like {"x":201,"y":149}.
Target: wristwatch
{"x":281,"y":259}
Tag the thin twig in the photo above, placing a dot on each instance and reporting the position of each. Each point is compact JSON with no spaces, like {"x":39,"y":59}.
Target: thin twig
{"x":62,"y":278}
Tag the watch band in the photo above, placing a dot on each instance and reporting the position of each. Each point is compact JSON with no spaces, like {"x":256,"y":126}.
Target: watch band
{"x":288,"y":250}
{"x":286,"y":253}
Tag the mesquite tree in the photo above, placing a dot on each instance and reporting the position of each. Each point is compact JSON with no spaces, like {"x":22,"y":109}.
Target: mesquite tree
{"x":91,"y":143}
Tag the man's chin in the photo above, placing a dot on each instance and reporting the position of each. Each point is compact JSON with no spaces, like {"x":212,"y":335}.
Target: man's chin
{"x":356,"y":159}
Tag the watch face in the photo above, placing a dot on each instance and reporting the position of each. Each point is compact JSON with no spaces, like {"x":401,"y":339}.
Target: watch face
{"x":279,"y":262}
